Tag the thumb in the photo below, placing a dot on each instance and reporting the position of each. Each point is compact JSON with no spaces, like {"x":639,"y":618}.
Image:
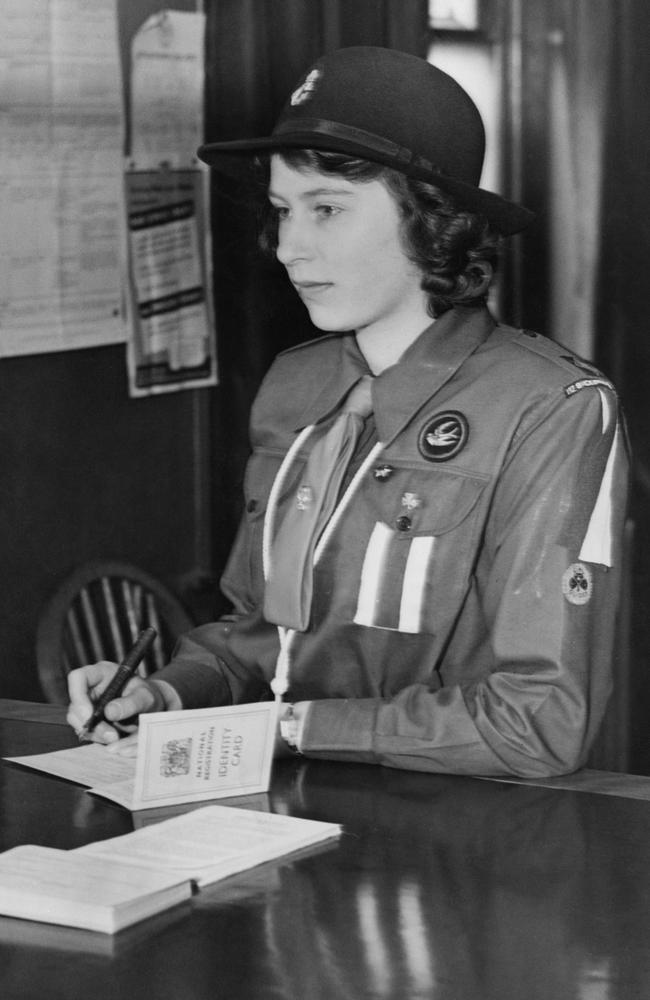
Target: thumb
{"x":139,"y":699}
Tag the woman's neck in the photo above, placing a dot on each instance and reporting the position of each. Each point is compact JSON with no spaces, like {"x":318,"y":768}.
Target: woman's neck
{"x":383,"y":348}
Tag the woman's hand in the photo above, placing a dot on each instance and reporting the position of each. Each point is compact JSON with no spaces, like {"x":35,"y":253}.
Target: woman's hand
{"x":85,"y":687}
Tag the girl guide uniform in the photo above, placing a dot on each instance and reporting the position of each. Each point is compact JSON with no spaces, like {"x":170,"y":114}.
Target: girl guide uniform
{"x":465,"y":587}
{"x":429,"y":562}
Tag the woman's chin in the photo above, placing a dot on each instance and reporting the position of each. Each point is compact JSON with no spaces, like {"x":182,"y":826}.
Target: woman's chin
{"x":327,"y":322}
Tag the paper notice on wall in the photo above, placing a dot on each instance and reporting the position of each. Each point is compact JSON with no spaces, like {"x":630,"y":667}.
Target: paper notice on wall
{"x":61,"y":165}
{"x":167,"y":74}
{"x":172,"y":341}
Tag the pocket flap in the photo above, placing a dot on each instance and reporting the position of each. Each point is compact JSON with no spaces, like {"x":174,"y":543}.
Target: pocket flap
{"x":423,"y":502}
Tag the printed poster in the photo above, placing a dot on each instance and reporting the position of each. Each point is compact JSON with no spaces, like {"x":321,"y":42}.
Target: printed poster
{"x":172,"y":343}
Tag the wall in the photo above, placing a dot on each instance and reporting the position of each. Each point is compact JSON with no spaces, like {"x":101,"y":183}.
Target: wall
{"x":90,"y":473}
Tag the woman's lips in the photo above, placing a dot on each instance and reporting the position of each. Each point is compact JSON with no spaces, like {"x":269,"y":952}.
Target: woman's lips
{"x":309,"y":288}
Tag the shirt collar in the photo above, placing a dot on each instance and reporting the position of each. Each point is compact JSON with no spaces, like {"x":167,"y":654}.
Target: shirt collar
{"x":400,"y":391}
{"x":344,"y":374}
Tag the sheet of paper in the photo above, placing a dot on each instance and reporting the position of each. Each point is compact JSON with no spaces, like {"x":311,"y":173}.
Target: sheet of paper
{"x":61,"y":162}
{"x":87,"y":765}
{"x":167,"y":77}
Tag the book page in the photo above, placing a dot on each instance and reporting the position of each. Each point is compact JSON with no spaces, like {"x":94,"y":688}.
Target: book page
{"x":213,"y":842}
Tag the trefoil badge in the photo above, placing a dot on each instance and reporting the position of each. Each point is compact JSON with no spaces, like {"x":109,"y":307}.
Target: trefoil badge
{"x":411,"y":501}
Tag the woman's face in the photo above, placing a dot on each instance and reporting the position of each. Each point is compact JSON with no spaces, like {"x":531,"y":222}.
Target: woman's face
{"x":341,"y":245}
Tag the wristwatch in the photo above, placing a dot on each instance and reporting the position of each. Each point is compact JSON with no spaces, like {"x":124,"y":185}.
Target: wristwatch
{"x":289,"y":729}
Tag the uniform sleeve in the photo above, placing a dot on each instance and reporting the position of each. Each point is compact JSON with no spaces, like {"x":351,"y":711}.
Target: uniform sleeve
{"x":546,"y":586}
{"x":222,"y":663}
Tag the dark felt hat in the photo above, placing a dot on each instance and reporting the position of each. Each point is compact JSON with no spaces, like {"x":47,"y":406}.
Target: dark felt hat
{"x":392,"y":108}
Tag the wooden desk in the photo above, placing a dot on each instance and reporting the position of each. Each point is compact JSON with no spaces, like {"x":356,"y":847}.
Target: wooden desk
{"x":441,"y":887}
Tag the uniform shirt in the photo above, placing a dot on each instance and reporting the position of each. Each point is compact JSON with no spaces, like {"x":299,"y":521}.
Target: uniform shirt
{"x":464,"y":607}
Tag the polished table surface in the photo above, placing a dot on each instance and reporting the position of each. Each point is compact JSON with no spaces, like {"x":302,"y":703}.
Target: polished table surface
{"x":441,"y":887}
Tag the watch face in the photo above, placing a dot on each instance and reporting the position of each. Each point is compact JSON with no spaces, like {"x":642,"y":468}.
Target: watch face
{"x":289,"y":727}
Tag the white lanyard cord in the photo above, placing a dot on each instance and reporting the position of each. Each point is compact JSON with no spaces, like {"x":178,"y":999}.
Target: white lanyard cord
{"x":280,"y":683}
{"x":272,"y":502}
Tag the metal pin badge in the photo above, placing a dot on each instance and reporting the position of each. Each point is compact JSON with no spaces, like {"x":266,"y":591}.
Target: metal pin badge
{"x":411,"y":501}
{"x":304,"y":497}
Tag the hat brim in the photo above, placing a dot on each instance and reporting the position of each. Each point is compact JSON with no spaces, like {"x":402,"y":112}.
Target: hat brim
{"x":234,"y":156}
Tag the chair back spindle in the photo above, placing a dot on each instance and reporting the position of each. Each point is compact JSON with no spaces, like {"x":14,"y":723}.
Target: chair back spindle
{"x":96,"y":614}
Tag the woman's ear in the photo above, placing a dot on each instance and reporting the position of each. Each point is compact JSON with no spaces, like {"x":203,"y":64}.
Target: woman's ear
{"x":473,"y":283}
{"x":479,"y":276}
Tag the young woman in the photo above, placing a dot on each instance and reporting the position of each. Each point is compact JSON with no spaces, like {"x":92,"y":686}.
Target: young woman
{"x":428,"y":566}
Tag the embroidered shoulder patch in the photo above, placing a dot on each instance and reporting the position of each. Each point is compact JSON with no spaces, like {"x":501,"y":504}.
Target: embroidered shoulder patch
{"x":587,"y":383}
{"x":577,"y":583}
{"x":443,"y":436}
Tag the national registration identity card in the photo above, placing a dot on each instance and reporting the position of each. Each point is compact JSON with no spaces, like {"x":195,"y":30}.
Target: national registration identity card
{"x":204,"y":753}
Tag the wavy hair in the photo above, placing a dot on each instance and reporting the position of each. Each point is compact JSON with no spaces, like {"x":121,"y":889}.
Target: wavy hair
{"x":456,"y":251}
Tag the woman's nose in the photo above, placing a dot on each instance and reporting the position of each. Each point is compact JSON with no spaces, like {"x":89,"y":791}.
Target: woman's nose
{"x":293,"y":241}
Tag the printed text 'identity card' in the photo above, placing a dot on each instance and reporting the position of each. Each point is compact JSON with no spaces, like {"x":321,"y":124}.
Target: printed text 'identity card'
{"x":204,"y":753}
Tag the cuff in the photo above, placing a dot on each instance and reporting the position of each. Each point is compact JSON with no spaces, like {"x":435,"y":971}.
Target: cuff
{"x":292,"y":724}
{"x":339,"y":725}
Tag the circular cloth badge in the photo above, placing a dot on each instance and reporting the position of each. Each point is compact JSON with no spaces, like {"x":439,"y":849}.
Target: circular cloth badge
{"x":444,"y":436}
{"x":577,"y":583}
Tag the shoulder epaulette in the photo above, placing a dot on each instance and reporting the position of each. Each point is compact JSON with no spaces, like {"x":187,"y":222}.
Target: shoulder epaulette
{"x":565,"y":359}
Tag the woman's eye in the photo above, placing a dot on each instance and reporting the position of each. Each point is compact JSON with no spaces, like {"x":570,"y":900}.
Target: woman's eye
{"x":326,"y":211}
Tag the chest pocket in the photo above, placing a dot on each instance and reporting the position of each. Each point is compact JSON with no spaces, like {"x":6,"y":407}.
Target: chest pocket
{"x":419,"y":554}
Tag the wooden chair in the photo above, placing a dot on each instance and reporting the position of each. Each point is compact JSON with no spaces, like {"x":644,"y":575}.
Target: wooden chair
{"x":96,"y":614}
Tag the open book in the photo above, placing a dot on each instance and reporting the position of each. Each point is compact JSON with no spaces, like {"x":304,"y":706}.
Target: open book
{"x":112,"y":883}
